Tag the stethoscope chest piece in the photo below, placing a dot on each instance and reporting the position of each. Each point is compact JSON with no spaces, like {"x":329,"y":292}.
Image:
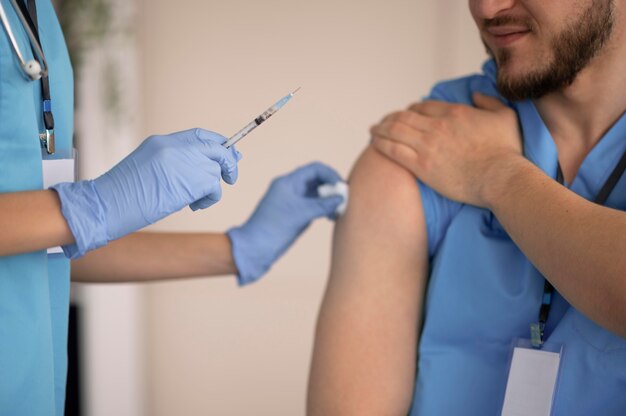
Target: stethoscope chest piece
{"x":33,"y":69}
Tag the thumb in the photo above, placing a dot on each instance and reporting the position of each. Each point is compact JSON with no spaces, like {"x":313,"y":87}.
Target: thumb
{"x":485,"y":102}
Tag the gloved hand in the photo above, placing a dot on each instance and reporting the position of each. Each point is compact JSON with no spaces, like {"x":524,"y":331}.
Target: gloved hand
{"x":163,"y":175}
{"x":286,"y":210}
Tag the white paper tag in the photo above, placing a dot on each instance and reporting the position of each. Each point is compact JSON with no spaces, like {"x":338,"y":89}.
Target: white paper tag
{"x":57,"y":171}
{"x":532,"y":380}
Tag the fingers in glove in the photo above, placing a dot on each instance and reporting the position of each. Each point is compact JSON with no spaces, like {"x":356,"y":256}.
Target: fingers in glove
{"x":227,"y":158}
{"x":213,"y":197}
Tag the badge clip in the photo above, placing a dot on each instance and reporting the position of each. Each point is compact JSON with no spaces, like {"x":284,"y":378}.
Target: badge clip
{"x":47,"y":141}
{"x":536,"y":334}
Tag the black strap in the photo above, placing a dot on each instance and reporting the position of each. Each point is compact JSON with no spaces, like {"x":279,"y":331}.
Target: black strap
{"x":600,"y":199}
{"x":30,"y":14}
{"x":612,"y":181}
{"x":32,"y":11}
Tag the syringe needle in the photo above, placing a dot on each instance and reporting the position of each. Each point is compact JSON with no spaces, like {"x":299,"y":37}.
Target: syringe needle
{"x":260,"y":119}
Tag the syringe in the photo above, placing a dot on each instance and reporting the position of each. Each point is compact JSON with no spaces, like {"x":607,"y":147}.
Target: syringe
{"x":260,"y":119}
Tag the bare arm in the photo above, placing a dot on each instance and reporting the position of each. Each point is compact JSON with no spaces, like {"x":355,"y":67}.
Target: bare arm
{"x":31,"y":221}
{"x":365,"y":346}
{"x":155,"y":256}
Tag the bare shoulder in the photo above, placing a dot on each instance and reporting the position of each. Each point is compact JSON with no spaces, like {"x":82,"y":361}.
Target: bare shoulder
{"x":372,"y":169}
{"x":383,"y":194}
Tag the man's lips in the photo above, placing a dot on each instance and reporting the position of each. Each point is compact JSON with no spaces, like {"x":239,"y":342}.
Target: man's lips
{"x":501,"y":36}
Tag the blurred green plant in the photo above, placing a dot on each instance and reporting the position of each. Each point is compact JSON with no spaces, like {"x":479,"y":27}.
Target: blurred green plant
{"x":84,"y":23}
{"x":87,"y":24}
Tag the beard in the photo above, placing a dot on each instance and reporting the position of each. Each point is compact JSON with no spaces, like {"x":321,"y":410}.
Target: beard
{"x":572,"y":50}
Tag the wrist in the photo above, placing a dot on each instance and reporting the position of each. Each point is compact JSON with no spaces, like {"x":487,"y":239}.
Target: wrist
{"x":210,"y":254}
{"x":248,"y":258}
{"x":82,"y":209}
{"x":500,"y":177}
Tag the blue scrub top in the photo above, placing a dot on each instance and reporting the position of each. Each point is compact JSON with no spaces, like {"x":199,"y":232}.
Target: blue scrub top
{"x":483,"y":291}
{"x":34,"y":287}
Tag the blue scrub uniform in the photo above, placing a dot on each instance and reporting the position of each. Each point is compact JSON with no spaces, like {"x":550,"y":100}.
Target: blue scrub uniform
{"x":34,"y":287}
{"x":484,"y":292}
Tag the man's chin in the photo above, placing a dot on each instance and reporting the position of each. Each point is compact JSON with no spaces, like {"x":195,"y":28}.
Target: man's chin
{"x":508,"y":77}
{"x":508,"y":62}
{"x":516,"y":70}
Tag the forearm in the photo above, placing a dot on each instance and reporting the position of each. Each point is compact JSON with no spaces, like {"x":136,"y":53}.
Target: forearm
{"x":365,"y":347}
{"x":156,"y":256}
{"x":579,"y":246}
{"x":31,"y":221}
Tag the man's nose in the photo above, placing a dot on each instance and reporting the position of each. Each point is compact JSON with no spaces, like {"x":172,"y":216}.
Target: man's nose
{"x":488,"y":9}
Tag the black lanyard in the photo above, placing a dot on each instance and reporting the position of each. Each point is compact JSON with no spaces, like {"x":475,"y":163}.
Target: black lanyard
{"x":47,"y":137}
{"x":537,"y":329}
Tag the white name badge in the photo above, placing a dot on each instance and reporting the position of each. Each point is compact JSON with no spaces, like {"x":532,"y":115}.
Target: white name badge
{"x":57,"y":171}
{"x":533,"y":376}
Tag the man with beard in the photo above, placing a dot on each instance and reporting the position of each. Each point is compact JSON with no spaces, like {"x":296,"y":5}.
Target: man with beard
{"x":517,"y":223}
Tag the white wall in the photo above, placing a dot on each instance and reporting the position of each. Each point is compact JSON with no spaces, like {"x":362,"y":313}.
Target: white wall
{"x":211,"y":348}
{"x":111,"y":321}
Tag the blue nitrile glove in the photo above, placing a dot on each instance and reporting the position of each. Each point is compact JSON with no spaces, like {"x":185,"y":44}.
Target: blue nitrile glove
{"x":286,"y":210}
{"x":163,"y":175}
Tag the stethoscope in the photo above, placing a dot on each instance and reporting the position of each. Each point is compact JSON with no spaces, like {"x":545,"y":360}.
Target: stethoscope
{"x":35,"y":69}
